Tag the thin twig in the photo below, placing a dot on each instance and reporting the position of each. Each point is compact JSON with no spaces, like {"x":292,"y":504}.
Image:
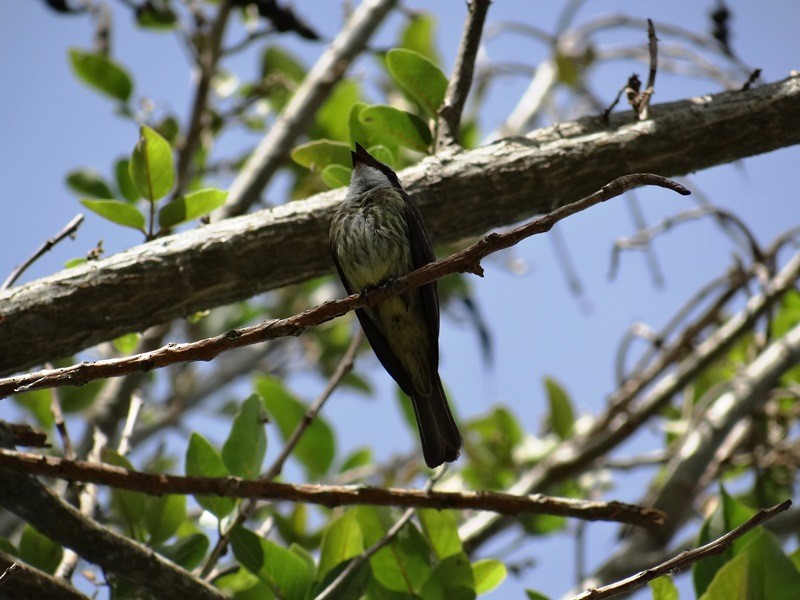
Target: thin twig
{"x":643,"y":106}
{"x":326,"y":495}
{"x":461,"y":79}
{"x":465,"y":261}
{"x":207,"y":56}
{"x":60,"y":424}
{"x":684,"y":559}
{"x":68,"y":231}
{"x":133,"y":413}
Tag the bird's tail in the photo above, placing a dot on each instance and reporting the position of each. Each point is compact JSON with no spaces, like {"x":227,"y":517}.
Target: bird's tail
{"x":441,"y":440}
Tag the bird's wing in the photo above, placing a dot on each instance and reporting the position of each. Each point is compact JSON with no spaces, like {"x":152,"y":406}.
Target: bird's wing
{"x":421,"y":255}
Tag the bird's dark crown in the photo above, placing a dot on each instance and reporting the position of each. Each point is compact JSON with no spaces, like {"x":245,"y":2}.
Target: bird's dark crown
{"x":361,"y":156}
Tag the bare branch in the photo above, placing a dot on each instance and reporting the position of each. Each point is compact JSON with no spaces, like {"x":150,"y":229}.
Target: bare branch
{"x":300,"y":110}
{"x":20,"y":581}
{"x":68,"y":231}
{"x":684,"y":559}
{"x":326,"y":495}
{"x":461,"y":79}
{"x":465,"y":261}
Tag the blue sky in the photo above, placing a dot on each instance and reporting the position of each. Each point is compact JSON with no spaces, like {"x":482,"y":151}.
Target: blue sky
{"x":51,"y":124}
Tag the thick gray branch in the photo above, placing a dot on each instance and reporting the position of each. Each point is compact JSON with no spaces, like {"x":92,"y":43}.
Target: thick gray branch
{"x":461,"y":194}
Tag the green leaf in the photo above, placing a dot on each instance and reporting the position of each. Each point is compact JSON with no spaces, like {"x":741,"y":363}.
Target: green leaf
{"x":286,"y":573}
{"x":125,"y":344}
{"x":340,"y":101}
{"x":403,"y":565}
{"x":39,"y":550}
{"x":441,"y":529}
{"x":86,"y":182}
{"x":336,"y":176}
{"x":190,"y":207}
{"x":130,"y":506}
{"x":760,"y":571}
{"x":158,"y":17}
{"x":102,"y":73}
{"x":202,"y":460}
{"x":728,"y":515}
{"x":319,"y":154}
{"x":187,"y":552}
{"x":280,"y":74}
{"x":562,"y":417}
{"x":74,"y":262}
{"x":663,"y":588}
{"x":124,"y":182}
{"x":534,"y":595}
{"x":419,"y":77}
{"x":163,"y":517}
{"x":382,"y":153}
{"x":488,"y":573}
{"x":37,"y":403}
{"x":151,"y":165}
{"x":391,"y":125}
{"x":316,"y":448}
{"x":341,"y":541}
{"x":359,"y":457}
{"x":451,"y":579}
{"x":244,"y":450}
{"x":419,"y":35}
{"x":117,"y":211}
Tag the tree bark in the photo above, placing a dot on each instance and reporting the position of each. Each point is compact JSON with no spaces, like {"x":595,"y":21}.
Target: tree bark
{"x":461,"y":194}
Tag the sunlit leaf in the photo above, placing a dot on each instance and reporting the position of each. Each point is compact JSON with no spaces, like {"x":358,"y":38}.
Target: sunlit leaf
{"x":151,"y":167}
{"x":244,"y":450}
{"x":202,"y":460}
{"x":419,"y":77}
{"x":318,"y":154}
{"x":101,"y":73}
{"x":329,"y":117}
{"x":441,"y":529}
{"x":418,"y":35}
{"x":663,"y":588}
{"x":391,"y":125}
{"x":190,"y":207}
{"x":488,"y":573}
{"x":336,"y":176}
{"x":117,"y":211}
{"x":341,"y":541}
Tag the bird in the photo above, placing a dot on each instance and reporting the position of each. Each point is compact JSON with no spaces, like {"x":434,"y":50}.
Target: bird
{"x":377,"y":235}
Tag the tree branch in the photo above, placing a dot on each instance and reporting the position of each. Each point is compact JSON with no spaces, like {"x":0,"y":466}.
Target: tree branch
{"x":296,"y":116}
{"x":235,"y":259}
{"x":24,"y":496}
{"x":20,"y":581}
{"x":461,"y":79}
{"x":467,"y":260}
{"x":326,"y":495}
{"x":684,"y":559}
